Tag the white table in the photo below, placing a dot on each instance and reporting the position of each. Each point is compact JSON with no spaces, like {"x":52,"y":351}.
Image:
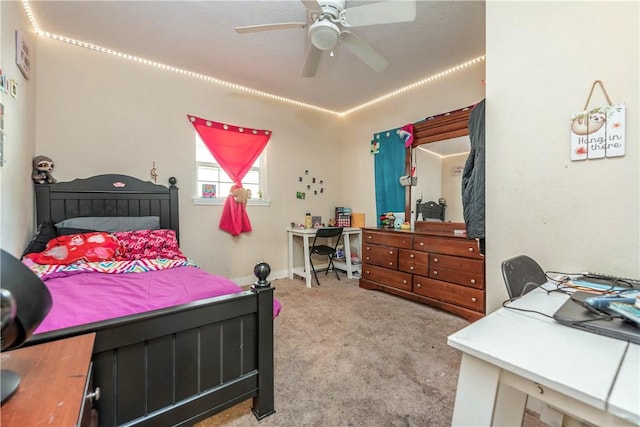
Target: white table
{"x":307,"y":238}
{"x":508,"y":355}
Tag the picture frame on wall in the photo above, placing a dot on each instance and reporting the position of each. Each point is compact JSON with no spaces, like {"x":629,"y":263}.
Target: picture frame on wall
{"x":23,"y":61}
{"x":13,"y":88}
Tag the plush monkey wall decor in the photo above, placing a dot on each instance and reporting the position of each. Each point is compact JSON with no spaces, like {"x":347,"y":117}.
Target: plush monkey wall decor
{"x":240,"y":194}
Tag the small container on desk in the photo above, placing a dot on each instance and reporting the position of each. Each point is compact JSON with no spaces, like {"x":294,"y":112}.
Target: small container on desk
{"x":343,"y":217}
{"x":357,"y":220}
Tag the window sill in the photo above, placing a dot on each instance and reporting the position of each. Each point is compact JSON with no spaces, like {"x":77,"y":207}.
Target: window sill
{"x":219,"y":201}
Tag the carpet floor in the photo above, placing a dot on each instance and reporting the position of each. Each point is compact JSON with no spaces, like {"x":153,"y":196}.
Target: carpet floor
{"x":346,"y":356}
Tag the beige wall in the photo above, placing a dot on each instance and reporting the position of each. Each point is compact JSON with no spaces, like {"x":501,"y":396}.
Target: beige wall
{"x":100,"y":114}
{"x":16,"y":200}
{"x":436,"y":180}
{"x":452,"y":186}
{"x":429,"y":173}
{"x":570,"y":216}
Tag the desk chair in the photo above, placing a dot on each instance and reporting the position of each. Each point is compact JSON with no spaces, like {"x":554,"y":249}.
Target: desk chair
{"x":521,"y":275}
{"x":324,"y":250}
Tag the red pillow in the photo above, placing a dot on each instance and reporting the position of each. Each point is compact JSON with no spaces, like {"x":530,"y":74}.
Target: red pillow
{"x":145,"y":244}
{"x":88,"y":247}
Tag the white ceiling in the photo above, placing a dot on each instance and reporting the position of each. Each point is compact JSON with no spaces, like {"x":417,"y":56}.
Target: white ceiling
{"x":199,"y":36}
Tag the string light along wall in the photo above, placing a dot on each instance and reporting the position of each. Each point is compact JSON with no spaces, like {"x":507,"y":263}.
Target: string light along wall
{"x":209,"y":79}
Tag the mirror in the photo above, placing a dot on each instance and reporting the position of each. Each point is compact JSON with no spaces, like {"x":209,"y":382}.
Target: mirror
{"x":439,"y":167}
{"x":440,"y":149}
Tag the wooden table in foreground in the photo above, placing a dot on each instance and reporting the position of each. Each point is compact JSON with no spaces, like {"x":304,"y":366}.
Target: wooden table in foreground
{"x":54,"y":384}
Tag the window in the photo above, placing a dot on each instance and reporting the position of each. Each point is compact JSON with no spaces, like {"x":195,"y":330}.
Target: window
{"x":213,"y":182}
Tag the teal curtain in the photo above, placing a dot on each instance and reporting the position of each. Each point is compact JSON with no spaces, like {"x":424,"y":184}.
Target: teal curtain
{"x":389,"y":167}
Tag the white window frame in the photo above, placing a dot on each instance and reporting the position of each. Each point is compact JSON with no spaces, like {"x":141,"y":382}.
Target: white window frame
{"x":219,"y":200}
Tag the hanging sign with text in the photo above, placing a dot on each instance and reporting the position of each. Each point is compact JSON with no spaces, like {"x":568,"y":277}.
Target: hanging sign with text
{"x":598,"y":133}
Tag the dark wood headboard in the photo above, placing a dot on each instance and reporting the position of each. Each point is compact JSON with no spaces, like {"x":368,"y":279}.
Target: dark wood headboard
{"x":430,"y":210}
{"x":108,"y":195}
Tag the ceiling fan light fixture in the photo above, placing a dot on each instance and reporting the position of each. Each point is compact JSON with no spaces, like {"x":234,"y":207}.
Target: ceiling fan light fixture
{"x":324,"y":34}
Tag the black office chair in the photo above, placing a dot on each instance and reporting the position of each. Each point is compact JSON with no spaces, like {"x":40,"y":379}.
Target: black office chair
{"x":324,"y":250}
{"x":522,"y":275}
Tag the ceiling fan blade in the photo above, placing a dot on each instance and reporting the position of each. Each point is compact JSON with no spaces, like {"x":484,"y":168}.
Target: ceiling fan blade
{"x":365,"y":52}
{"x":311,"y":62}
{"x":385,"y":12}
{"x":269,"y":27}
{"x":312,"y":5}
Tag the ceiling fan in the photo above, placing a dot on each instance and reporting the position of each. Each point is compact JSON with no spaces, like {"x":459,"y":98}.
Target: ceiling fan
{"x":331,"y":22}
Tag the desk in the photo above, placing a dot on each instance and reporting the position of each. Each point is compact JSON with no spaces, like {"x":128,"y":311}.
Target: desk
{"x":307,"y":235}
{"x":508,"y":355}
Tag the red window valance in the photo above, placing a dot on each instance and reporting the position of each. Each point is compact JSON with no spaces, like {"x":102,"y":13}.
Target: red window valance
{"x":235,"y":148}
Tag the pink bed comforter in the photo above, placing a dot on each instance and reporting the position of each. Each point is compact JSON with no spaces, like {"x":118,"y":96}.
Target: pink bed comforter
{"x":90,"y":297}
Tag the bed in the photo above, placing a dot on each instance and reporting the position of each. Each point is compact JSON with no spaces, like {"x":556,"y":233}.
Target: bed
{"x":173,"y":365}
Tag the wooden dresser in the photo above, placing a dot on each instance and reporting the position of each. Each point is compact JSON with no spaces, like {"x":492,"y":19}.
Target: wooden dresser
{"x":436,"y":268}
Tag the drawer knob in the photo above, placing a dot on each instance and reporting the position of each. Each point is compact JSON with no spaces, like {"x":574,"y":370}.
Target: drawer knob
{"x":411,"y":268}
{"x":368,"y":258}
{"x":412,"y":256}
{"x":95,"y":396}
{"x":404,"y":281}
{"x":368,"y":248}
{"x":390,"y":252}
{"x":390,"y":262}
{"x":418,"y":285}
{"x":470,"y":249}
{"x":368,"y":272}
{"x":421,"y":243}
{"x":435,"y":260}
{"x":369,"y":237}
{"x":474,"y":299}
{"x":473,"y":281}
{"x":435,"y":272}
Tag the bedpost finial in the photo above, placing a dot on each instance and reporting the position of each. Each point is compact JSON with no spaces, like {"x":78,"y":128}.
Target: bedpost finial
{"x":173,"y":182}
{"x":261,"y":271}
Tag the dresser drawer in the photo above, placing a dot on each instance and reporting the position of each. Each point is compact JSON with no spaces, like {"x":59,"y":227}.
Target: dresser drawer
{"x":455,"y":294}
{"x":465,"y":278}
{"x":383,"y":256}
{"x":456,"y":263}
{"x":413,"y":262}
{"x":397,"y":239}
{"x":396,"y":279}
{"x":450,"y":246}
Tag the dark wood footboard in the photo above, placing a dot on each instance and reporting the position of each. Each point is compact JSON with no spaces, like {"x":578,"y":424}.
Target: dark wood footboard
{"x":180,"y":365}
